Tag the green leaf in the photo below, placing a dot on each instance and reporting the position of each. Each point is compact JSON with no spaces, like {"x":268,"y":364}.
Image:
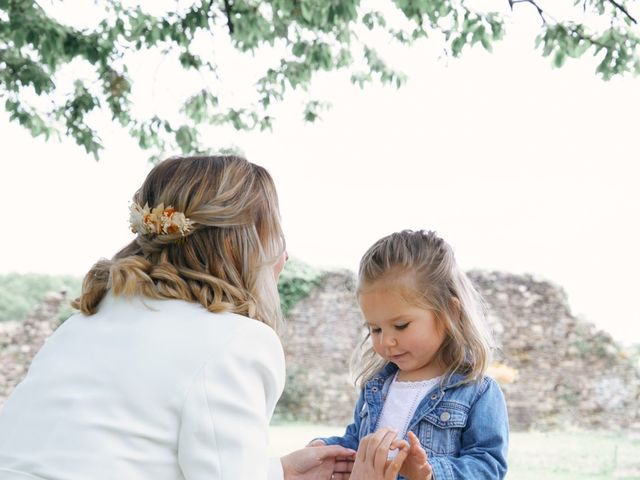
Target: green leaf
{"x":457,"y":45}
{"x":299,"y":48}
{"x":186,"y":138}
{"x":484,"y":40}
{"x":306,"y":11}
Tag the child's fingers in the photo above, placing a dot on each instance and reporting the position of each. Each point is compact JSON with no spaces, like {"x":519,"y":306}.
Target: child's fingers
{"x":361,"y":453}
{"x":343,"y":465}
{"x":373,"y":442}
{"x":427,"y":473}
{"x":398,"y":443}
{"x":382,"y":449}
{"x":340,"y":476}
{"x":413,"y":440}
{"x":416,"y":448}
{"x":394,"y":466}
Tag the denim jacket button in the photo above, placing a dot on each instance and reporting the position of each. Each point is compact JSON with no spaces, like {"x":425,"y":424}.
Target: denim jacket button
{"x":444,"y":416}
{"x":434,"y":396}
{"x":374,"y":389}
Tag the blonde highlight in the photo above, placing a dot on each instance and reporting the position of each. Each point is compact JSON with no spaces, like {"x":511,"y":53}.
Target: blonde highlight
{"x":224,"y":262}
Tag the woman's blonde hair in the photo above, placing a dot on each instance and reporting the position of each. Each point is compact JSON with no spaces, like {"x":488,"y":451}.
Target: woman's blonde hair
{"x":424,"y":268}
{"x":224,"y":263}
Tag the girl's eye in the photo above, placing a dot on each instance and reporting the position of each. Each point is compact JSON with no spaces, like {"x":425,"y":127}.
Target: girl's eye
{"x":401,"y":327}
{"x":374,"y":329}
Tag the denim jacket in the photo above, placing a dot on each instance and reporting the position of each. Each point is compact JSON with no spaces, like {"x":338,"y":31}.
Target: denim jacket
{"x":463,"y":428}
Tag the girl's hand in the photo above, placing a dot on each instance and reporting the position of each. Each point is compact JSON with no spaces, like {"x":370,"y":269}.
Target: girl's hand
{"x":372,"y":458}
{"x":416,"y":466}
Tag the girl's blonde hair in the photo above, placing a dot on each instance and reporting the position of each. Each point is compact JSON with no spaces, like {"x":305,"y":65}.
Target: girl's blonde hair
{"x":224,"y":263}
{"x":424,"y":268}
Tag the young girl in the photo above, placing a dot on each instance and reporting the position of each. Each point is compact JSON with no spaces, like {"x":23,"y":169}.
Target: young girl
{"x":422,"y":373}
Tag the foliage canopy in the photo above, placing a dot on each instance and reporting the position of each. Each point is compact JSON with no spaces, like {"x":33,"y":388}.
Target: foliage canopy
{"x":311,"y":35}
{"x":21,"y":293}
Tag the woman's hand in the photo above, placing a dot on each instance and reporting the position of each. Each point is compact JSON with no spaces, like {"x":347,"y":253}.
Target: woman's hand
{"x":317,"y":463}
{"x":343,"y":466}
{"x":316,"y":443}
{"x":416,"y":466}
{"x":372,"y":458}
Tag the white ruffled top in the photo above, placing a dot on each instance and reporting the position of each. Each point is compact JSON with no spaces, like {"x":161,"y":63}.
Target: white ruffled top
{"x":401,"y":403}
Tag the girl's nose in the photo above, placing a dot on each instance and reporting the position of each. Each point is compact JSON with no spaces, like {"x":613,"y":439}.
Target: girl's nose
{"x":389,"y":340}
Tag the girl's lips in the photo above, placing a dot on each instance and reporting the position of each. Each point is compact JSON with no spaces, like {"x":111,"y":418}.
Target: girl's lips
{"x":396,"y":357}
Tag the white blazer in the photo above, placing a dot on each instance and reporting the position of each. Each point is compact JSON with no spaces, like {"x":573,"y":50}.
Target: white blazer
{"x":146,"y":390}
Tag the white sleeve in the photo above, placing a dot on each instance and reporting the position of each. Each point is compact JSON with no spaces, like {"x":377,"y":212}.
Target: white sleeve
{"x":224,"y":422}
{"x":275,"y":469}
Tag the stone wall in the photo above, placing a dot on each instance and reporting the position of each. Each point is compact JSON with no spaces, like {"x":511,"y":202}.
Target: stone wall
{"x":569,"y":372}
{"x":556,"y":370}
{"x":320,"y":332}
{"x":565,"y":371}
{"x":20,"y":341}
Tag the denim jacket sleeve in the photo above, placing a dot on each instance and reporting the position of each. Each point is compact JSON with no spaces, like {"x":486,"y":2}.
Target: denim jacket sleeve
{"x":350,"y":439}
{"x":485,"y":439}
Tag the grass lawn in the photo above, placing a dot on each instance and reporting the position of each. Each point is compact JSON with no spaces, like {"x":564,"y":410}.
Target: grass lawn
{"x":579,"y":455}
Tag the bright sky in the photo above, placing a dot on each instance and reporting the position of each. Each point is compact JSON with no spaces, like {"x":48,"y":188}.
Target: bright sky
{"x":521,"y":167}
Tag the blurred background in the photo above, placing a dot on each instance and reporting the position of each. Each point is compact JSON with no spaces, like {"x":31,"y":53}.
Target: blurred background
{"x":526,"y":164}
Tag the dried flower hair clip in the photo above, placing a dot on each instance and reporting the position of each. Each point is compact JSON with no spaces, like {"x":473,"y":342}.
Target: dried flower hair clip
{"x":158,"y":220}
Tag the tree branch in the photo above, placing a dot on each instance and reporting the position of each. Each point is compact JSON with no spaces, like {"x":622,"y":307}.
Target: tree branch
{"x":228,"y":13}
{"x":623,"y":10}
{"x":532,"y":2}
{"x":588,"y":38}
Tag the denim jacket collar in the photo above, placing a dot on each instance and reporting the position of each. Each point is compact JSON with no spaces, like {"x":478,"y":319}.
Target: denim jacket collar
{"x":376,"y":389}
{"x":382,"y":380}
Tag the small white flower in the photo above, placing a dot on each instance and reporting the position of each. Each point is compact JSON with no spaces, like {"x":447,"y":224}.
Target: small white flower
{"x":174,"y":222}
{"x":158,"y":221}
{"x":137,"y":216}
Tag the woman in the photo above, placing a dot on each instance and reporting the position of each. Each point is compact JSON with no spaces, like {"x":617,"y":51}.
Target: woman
{"x":173,"y":367}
